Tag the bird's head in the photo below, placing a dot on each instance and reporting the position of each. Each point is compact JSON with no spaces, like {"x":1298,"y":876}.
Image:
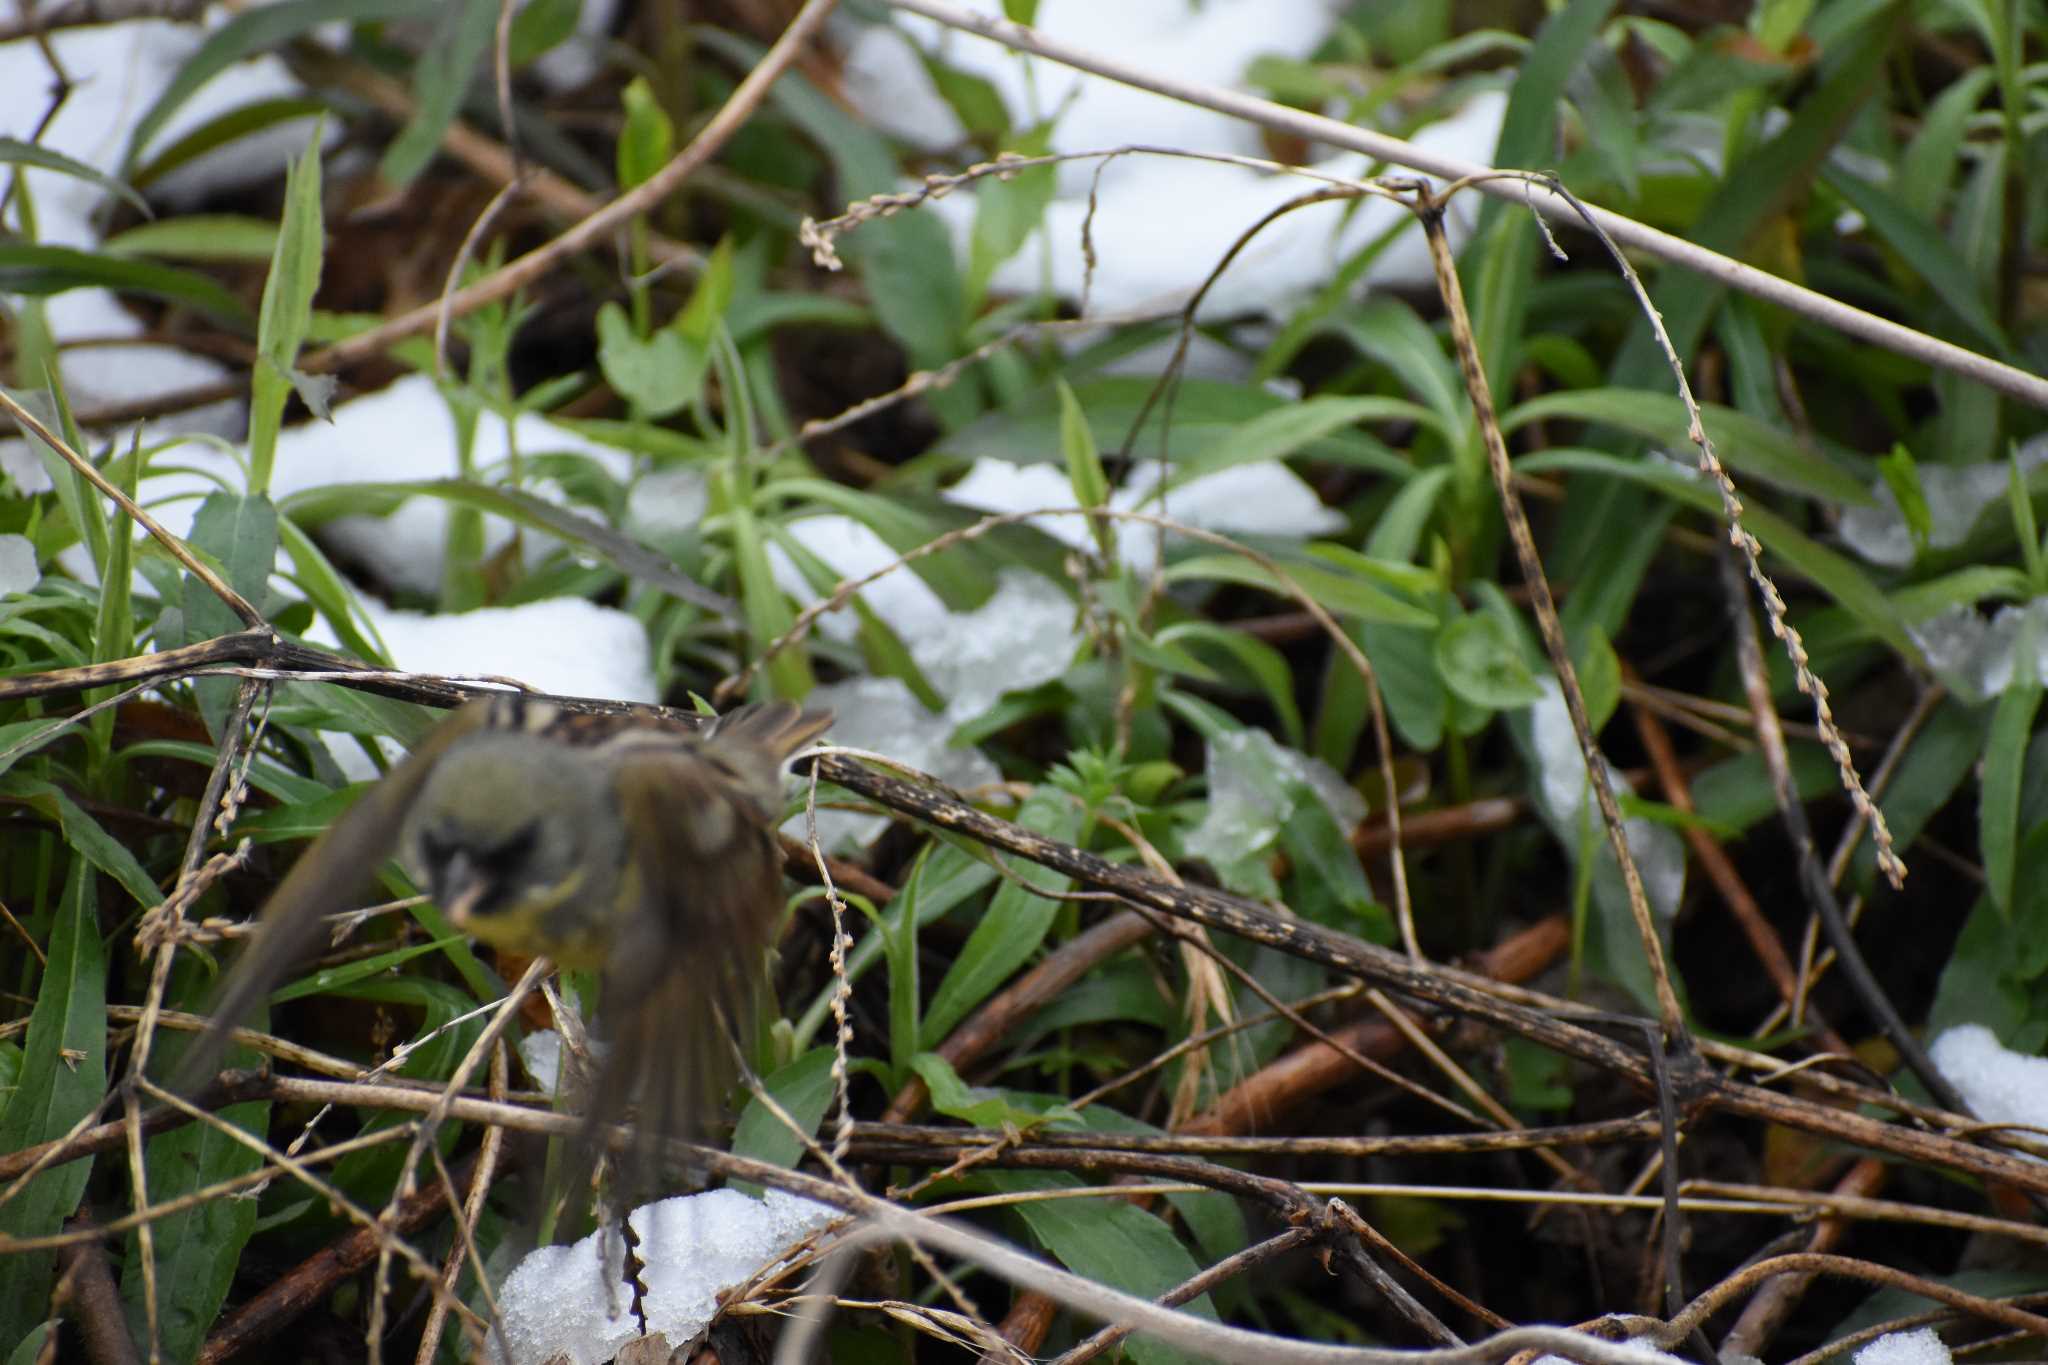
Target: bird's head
{"x":518,"y":841}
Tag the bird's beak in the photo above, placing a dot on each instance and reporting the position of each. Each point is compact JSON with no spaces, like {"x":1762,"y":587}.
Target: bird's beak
{"x":458,"y":888}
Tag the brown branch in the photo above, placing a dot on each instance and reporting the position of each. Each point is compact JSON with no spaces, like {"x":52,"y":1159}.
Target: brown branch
{"x":1706,"y":1304}
{"x":902,"y":1140}
{"x":301,"y":1288}
{"x":85,"y":1293}
{"x":1764,"y":1314}
{"x":1549,"y":1025}
{"x":87,"y":13}
{"x":1225,"y":1269}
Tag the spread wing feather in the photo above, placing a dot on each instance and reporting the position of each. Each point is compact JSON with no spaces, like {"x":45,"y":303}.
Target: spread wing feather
{"x":325,"y":879}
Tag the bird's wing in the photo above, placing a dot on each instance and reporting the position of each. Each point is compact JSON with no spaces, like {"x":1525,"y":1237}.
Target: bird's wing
{"x":323,"y":881}
{"x":703,"y":897}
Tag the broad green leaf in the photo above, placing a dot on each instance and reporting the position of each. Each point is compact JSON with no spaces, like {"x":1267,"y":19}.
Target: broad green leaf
{"x":1007,"y":209}
{"x":240,"y":534}
{"x":1480,"y":660}
{"x":1108,"y":1240}
{"x":804,"y":1090}
{"x":659,"y":374}
{"x":541,"y":26}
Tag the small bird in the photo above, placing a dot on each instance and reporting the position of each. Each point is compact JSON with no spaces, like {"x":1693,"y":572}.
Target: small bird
{"x":642,"y":849}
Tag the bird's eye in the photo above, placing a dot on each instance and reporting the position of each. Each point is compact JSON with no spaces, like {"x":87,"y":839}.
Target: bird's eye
{"x":516,"y":850}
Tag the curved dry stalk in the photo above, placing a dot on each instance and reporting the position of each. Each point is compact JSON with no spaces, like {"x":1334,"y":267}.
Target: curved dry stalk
{"x":1993,"y":1310}
{"x":2007,"y":379}
{"x":1671,"y":1016}
{"x":176,"y":548}
{"x":1775,"y":610}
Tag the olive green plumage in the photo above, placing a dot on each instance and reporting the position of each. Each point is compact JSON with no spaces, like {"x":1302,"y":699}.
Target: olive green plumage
{"x":641,"y":849}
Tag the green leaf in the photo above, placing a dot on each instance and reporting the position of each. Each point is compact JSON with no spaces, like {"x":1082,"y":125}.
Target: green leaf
{"x":711,"y":298}
{"x":1110,"y":1241}
{"x":660,"y":374}
{"x":1599,"y":673}
{"x":1007,"y":208}
{"x":240,"y":534}
{"x":904,"y":991}
{"x":1285,"y":430}
{"x":249,"y":33}
{"x":440,"y":78}
{"x":27,"y":268}
{"x":1838,"y":576}
{"x":803,"y":1089}
{"x":1919,"y":248}
{"x":948,"y":882}
{"x":1902,"y":476}
{"x":13,"y":150}
{"x":1745,"y":444}
{"x":63,"y":1079}
{"x":1266,"y":666}
{"x":198,"y":237}
{"x":31,"y":1351}
{"x":199,"y":1249}
{"x":1771,"y":176}
{"x":981,"y":1106}
{"x":541,"y":26}
{"x":87,"y":837}
{"x":648,"y":138}
{"x":221,"y":130}
{"x":906,"y":261}
{"x":1014,"y":926}
{"x":1480,"y":660}
{"x":286,"y":312}
{"x":974,"y":100}
{"x":1339,"y":593}
{"x":2005,"y":757}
